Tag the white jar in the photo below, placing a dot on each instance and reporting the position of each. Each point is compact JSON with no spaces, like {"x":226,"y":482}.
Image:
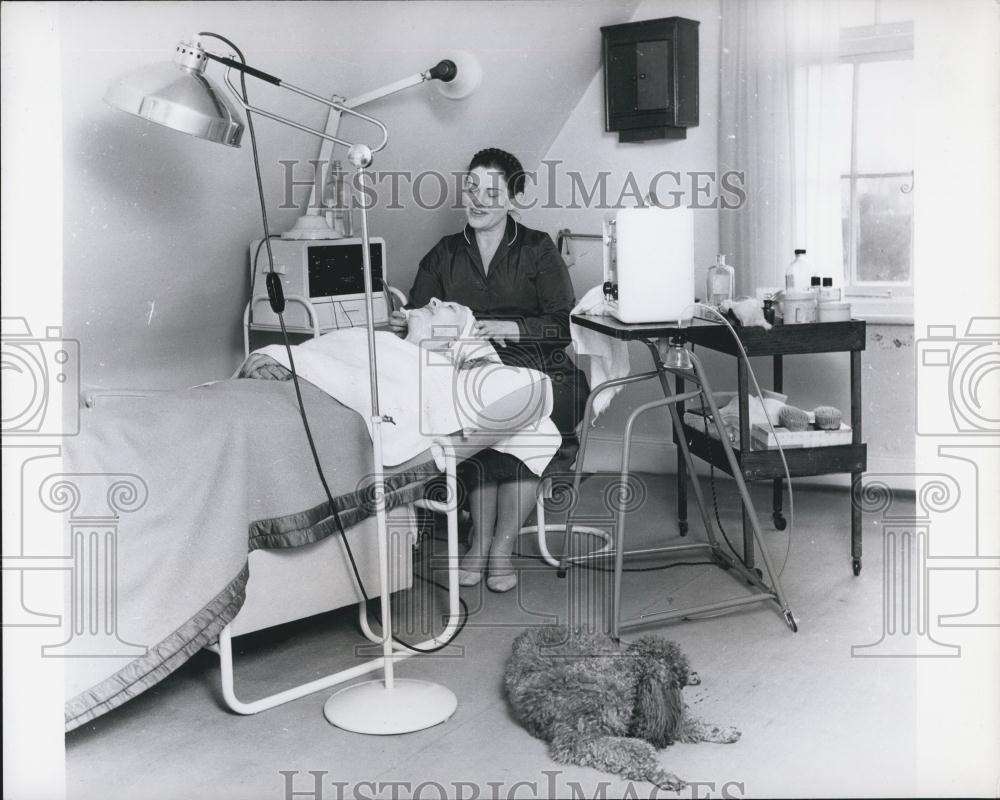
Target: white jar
{"x":834,"y":312}
{"x":798,"y":307}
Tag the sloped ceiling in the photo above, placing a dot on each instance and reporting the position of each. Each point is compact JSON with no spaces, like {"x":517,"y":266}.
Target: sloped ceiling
{"x":152,"y":216}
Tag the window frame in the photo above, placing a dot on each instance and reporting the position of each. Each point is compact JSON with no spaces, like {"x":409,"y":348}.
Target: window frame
{"x":860,"y":45}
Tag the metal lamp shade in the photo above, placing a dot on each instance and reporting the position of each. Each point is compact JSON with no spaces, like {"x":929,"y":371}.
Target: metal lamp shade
{"x":470,"y":75}
{"x":178,"y":98}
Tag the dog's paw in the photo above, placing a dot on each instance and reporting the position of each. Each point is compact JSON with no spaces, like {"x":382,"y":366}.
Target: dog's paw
{"x":669,"y":781}
{"x":694,"y":679}
{"x":716,"y":734}
{"x":727,"y":735}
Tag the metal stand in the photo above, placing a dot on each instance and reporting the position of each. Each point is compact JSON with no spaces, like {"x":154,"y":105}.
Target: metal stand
{"x":388,"y":706}
{"x":712,"y":548}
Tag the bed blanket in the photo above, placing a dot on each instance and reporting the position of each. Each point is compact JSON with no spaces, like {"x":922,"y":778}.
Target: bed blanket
{"x":424,"y":398}
{"x":220,"y":471}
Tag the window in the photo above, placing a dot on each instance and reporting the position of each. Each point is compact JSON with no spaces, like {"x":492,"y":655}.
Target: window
{"x":877,"y":181}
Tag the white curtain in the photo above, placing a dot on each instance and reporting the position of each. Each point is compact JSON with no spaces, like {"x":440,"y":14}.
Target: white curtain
{"x":779,"y":125}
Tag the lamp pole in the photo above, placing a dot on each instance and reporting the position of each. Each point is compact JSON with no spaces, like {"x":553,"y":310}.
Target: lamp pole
{"x":360,"y":157}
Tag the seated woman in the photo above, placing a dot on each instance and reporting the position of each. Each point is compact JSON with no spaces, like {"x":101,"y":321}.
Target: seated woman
{"x":515,"y":282}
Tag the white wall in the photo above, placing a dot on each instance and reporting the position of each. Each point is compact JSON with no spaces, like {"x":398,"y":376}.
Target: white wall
{"x":157,"y":225}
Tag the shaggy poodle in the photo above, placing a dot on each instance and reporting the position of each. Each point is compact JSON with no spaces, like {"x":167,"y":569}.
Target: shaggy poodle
{"x":604,"y":706}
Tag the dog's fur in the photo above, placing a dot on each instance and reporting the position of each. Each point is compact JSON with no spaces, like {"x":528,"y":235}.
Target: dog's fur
{"x":604,"y":706}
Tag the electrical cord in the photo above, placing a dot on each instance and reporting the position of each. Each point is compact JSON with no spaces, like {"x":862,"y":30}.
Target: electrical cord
{"x":781,"y":451}
{"x":291,"y":361}
{"x":253,"y":271}
{"x":597,"y":568}
{"x":715,"y":498}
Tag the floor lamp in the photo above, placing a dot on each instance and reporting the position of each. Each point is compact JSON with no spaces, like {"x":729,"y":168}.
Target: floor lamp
{"x":180,"y":96}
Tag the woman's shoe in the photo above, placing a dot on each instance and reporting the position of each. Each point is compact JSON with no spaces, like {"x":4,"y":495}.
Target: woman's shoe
{"x":469,"y":577}
{"x":502,"y":583}
{"x":502,"y":577}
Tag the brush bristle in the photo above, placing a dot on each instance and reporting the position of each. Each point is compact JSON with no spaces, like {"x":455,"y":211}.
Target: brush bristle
{"x":828,"y":418}
{"x":795,"y":419}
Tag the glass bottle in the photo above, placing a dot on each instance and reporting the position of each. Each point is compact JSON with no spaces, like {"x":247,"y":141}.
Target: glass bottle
{"x":339,"y":200}
{"x":721,"y":282}
{"x":798,"y":273}
{"x":815,"y":285}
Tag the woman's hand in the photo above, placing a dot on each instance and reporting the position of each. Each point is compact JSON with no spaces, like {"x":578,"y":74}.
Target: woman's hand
{"x":500,"y":331}
{"x":265,"y":369}
{"x":397,"y":321}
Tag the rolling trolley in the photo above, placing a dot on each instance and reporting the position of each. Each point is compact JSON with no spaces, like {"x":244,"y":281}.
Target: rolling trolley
{"x":686,"y":368}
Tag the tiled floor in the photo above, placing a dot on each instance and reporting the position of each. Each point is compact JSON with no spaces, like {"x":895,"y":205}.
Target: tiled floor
{"x":815,"y":721}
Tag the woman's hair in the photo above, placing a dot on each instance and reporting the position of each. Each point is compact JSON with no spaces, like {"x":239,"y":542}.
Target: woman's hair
{"x":495,"y":158}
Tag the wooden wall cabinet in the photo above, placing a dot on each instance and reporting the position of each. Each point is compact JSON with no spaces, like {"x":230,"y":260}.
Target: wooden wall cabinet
{"x":651,"y":78}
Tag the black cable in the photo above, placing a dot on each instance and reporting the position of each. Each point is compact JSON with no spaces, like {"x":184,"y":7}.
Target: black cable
{"x":458,"y":630}
{"x":596,"y":568}
{"x":715,"y":499}
{"x":288,"y":350}
{"x":253,"y":271}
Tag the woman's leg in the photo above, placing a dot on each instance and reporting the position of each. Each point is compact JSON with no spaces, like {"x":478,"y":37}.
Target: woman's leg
{"x":483,"y":507}
{"x":515,"y":499}
{"x":569,"y":401}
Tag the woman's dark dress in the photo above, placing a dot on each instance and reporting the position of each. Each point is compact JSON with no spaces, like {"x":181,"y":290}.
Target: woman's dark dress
{"x":527,"y":283}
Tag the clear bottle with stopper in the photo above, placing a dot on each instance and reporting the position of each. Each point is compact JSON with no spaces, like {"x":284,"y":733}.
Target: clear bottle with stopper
{"x":829,"y":294}
{"x":338,"y":201}
{"x":721,"y":282}
{"x":798,"y":273}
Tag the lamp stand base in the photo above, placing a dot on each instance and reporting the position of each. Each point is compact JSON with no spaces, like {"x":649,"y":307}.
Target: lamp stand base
{"x":410,"y":705}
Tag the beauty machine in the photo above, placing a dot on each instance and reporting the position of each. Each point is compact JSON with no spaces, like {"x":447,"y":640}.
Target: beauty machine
{"x":323,"y":282}
{"x":649,"y":264}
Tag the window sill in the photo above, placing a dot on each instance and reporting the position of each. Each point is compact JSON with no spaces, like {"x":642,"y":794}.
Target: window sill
{"x":882,"y":311}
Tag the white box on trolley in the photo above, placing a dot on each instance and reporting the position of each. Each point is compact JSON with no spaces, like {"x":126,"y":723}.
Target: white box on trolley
{"x":649,"y":264}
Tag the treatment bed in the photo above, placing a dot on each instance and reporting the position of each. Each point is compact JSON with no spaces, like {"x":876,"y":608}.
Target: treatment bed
{"x":229,"y":530}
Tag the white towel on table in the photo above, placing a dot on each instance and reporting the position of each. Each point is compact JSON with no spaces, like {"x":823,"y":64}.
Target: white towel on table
{"x":607,"y":356}
{"x":426,"y":397}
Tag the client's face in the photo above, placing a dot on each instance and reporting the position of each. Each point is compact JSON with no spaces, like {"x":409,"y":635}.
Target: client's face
{"x":438,"y":322}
